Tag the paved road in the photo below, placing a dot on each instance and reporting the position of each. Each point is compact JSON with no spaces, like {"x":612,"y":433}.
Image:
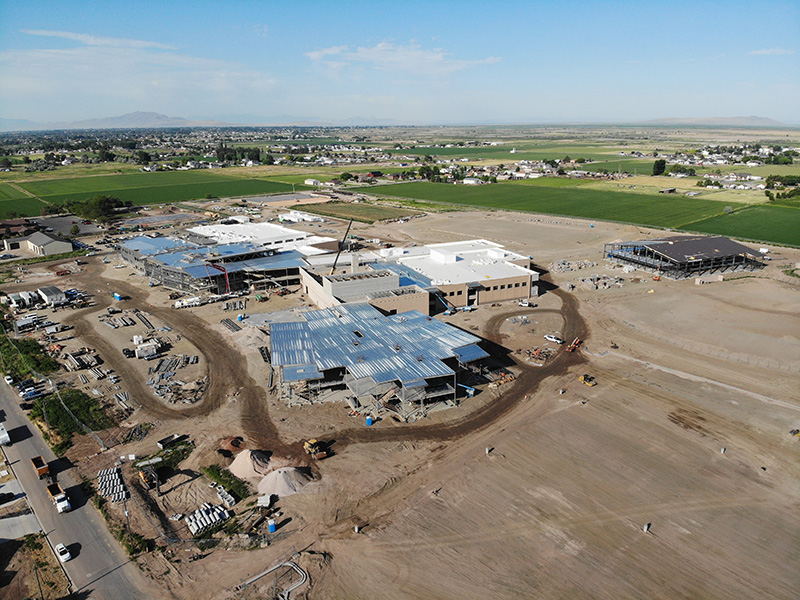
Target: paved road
{"x":100,"y":567}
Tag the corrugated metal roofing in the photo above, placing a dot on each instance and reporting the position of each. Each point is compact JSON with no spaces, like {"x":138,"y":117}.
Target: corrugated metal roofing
{"x":358,"y":337}
{"x":148,"y":246}
{"x":301,"y":373}
{"x":470,"y":353}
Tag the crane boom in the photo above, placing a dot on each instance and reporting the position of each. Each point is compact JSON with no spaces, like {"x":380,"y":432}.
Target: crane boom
{"x":341,"y":245}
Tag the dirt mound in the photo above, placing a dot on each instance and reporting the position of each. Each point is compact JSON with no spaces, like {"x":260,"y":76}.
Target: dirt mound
{"x":251,"y":337}
{"x":251,"y":464}
{"x":284,"y":482}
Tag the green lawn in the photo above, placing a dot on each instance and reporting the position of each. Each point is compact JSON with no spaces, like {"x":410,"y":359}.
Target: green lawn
{"x":651,"y":210}
{"x":154,"y":188}
{"x":365,"y":213}
{"x":763,"y":223}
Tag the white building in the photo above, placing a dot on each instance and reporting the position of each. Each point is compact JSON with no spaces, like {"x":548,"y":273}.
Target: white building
{"x":314,"y":182}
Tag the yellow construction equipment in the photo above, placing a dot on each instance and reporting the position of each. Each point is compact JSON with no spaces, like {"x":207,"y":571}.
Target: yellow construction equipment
{"x":316,"y":449}
{"x":588,"y":380}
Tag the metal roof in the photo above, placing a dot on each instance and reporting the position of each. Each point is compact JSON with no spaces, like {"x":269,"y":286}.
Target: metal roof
{"x":147,"y":246}
{"x":690,"y":248}
{"x":359,"y":338}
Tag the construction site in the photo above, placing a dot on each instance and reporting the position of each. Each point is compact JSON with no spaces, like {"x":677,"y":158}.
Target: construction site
{"x":440,"y":418}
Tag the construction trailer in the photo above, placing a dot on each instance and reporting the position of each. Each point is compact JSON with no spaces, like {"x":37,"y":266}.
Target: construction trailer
{"x":680,"y":257}
{"x":355,"y":353}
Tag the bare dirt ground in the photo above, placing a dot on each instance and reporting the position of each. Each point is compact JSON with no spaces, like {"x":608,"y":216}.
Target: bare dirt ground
{"x":557,"y":505}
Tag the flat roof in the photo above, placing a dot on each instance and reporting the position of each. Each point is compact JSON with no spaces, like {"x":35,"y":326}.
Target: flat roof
{"x":359,"y":338}
{"x":256,"y":233}
{"x":690,"y":248}
{"x":474,"y":267}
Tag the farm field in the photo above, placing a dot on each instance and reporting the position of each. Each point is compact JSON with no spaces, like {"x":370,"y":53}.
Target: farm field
{"x":624,"y":207}
{"x":154,"y":188}
{"x":8,"y":192}
{"x":365,"y":213}
{"x":637,"y":167}
{"x":778,"y":224}
{"x":523,"y":152}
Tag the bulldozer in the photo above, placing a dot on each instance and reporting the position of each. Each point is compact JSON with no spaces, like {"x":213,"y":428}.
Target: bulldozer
{"x":316,"y":449}
{"x":588,"y":380}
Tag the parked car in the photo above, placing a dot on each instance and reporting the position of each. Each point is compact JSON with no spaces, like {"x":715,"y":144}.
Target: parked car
{"x":6,"y":497}
{"x":63,"y":553}
{"x":9,"y":380}
{"x":553,"y":338}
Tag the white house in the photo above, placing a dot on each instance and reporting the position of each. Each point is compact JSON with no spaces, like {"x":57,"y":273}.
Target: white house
{"x":314,"y":182}
{"x":472,"y":181}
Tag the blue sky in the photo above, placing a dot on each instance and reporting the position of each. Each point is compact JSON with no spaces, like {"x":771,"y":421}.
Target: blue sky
{"x":410,"y":62}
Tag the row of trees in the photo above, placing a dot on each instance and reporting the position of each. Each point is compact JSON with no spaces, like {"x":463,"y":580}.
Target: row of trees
{"x":99,"y":207}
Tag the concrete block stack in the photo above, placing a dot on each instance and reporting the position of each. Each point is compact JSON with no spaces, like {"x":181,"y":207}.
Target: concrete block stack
{"x":111,"y":485}
{"x":206,"y":517}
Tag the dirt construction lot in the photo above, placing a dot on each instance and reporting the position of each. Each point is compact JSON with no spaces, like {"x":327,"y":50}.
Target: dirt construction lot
{"x":542,"y":488}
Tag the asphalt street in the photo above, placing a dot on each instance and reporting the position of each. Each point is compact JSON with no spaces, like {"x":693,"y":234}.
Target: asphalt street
{"x":99,"y":567}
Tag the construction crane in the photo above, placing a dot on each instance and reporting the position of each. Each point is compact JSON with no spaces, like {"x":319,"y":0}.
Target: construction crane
{"x":341,"y":245}
{"x":224,"y":270}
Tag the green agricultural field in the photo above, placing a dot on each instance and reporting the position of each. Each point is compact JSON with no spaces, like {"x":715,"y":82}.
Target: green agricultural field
{"x":524,"y":151}
{"x":8,"y":192}
{"x":154,"y":188}
{"x":26,"y":207}
{"x":650,"y":210}
{"x":637,"y":167}
{"x":777,"y":224}
{"x":365,"y":213}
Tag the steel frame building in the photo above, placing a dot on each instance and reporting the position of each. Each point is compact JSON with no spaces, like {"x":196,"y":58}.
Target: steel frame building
{"x":410,"y":359}
{"x":680,"y":257}
{"x":185,"y":266}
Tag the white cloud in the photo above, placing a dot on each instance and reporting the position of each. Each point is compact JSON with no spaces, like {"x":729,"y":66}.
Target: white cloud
{"x":387,"y":56}
{"x":772,"y":52}
{"x":93,"y":40}
{"x":93,"y":80}
{"x":316,"y":55}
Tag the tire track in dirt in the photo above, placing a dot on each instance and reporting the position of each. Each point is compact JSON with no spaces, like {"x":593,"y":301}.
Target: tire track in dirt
{"x":527,"y":383}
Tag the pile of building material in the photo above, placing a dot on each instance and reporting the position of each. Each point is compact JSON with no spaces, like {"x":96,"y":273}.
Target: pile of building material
{"x":162,"y":380}
{"x":283,"y":482}
{"x":206,"y":517}
{"x":111,"y":485}
{"x":599,"y":282}
{"x":231,"y":325}
{"x":225,"y":497}
{"x":562,"y":266}
{"x":80,"y":359}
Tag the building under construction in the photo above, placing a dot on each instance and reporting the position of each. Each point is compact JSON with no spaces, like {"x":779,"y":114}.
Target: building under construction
{"x":680,"y":257}
{"x":403,"y":363}
{"x":217,"y":269}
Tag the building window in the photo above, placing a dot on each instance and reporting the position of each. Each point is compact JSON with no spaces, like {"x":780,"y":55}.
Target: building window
{"x":451,"y":294}
{"x":524,"y":284}
{"x":502,"y":287}
{"x":458,"y":293}
{"x":516,"y":285}
{"x":494,"y":289}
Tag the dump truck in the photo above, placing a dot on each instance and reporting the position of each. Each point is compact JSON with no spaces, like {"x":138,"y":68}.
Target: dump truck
{"x":41,"y":467}
{"x":588,"y":380}
{"x":316,"y":449}
{"x":59,"y":497}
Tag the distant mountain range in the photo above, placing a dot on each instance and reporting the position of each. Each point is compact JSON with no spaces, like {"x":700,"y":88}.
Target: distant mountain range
{"x":721,"y":122}
{"x":152,"y":120}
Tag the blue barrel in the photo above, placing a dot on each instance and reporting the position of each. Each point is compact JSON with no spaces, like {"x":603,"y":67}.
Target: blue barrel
{"x":240,"y":317}
{"x":369,"y":420}
{"x":271,"y":525}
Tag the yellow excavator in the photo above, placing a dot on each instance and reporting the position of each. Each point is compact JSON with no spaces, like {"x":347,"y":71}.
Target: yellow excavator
{"x":588,"y":380}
